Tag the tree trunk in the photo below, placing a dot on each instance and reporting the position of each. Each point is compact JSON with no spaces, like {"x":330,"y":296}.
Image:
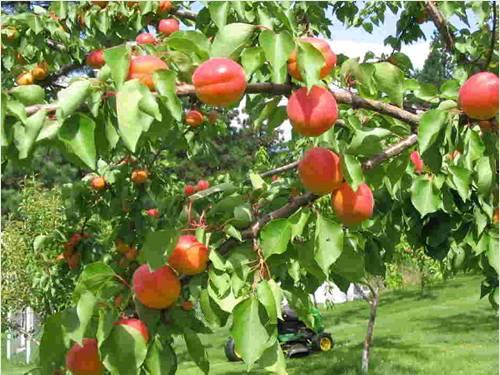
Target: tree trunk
{"x":369,"y":332}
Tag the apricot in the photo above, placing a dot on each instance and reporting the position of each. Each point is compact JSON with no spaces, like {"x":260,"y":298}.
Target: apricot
{"x":194,"y":118}
{"x":75,"y":239}
{"x":488,"y":126}
{"x":417,"y":161}
{"x":25,"y":78}
{"x":100,"y":4}
{"x":143,"y":67}
{"x":165,"y":6}
{"x":121,"y":246}
{"x":187,"y":305}
{"x":496,"y":216}
{"x":202,"y":185}
{"x":153,"y":212}
{"x":168,"y":26}
{"x":314,"y":113}
{"x":98,"y":183}
{"x":95,"y":59}
{"x":41,"y":71}
{"x":74,"y":261}
{"x":212,"y":117}
{"x":219,"y":82}
{"x":326,"y":51}
{"x":139,"y":176}
{"x":478,"y":96}
{"x":145,"y":38}
{"x":157,"y":289}
{"x":189,"y":190}
{"x":353,"y":207}
{"x":189,"y":257}
{"x":135,"y":324}
{"x":131,"y":254}
{"x":320,"y":171}
{"x":84,"y":359}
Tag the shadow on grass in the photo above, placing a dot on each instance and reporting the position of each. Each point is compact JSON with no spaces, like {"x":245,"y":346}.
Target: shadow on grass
{"x":482,"y":320}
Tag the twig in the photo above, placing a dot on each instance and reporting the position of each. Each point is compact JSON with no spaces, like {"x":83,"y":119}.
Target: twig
{"x":493,"y":37}
{"x":185,"y":14}
{"x":281,"y":169}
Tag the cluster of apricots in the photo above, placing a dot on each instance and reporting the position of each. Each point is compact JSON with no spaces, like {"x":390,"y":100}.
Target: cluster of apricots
{"x":128,"y":252}
{"x":71,"y":255}
{"x":138,"y":177}
{"x":38,"y":73}
{"x":200,"y":186}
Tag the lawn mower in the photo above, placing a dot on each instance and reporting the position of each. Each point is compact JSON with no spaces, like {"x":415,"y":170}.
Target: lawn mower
{"x":295,"y":338}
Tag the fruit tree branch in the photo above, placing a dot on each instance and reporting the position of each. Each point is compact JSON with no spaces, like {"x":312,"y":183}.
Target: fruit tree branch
{"x":185,"y":14}
{"x":303,"y":200}
{"x":281,"y":169}
{"x":342,"y":96}
{"x":493,"y":37}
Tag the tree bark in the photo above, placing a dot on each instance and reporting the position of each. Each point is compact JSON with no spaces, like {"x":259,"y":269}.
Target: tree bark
{"x":365,"y":357}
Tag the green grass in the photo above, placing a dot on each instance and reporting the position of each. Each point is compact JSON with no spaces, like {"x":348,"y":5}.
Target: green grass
{"x":446,"y":331}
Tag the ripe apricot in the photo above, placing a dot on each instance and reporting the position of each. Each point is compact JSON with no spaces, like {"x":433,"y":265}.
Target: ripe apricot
{"x":353,"y":207}
{"x":153,"y":212}
{"x":165,"y":6}
{"x":496,"y":216}
{"x":417,"y":161}
{"x":478,"y":96}
{"x":25,"y":78}
{"x":98,"y":183}
{"x":74,"y":261}
{"x":187,"y":305}
{"x":131,"y":254}
{"x":121,"y":246}
{"x":84,"y":359}
{"x":95,"y":59}
{"x":139,"y":176}
{"x":212,"y":117}
{"x":135,"y":324}
{"x":189,"y":190}
{"x":219,"y":82}
{"x":202,"y":185}
{"x":168,"y":26}
{"x":326,"y":51}
{"x":41,"y":71}
{"x":320,"y":171}
{"x":194,"y":118}
{"x":189,"y":257}
{"x":157,"y":289}
{"x":143,"y":67}
{"x":145,"y":38}
{"x":314,"y":113}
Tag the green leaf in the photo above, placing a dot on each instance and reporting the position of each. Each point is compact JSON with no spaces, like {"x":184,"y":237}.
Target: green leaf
{"x":106,"y":322}
{"x":124,"y":350}
{"x":351,"y":169}
{"x":273,"y":359}
{"x":425,"y":196}
{"x":298,"y":222}
{"x":277,"y":48}
{"x":29,"y":94}
{"x":427,"y":92}
{"x":218,"y":12}
{"x":461,"y":179}
{"x":164,"y":81}
{"x":78,"y":134}
{"x":275,"y":236}
{"x":17,"y":109}
{"x":368,"y":142}
{"x":132,"y":121}
{"x":449,"y":89}
{"x":328,"y":243}
{"x":211,"y":310}
{"x":266,"y":298}
{"x":432,"y":123}
{"x":71,"y":98}
{"x":196,"y":350}
{"x":310,"y":60}
{"x":231,"y":39}
{"x":350,"y":265}
{"x":252,"y":58}
{"x":390,"y":79}
{"x":158,"y":246}
{"x":257,"y":181}
{"x":233,"y":232}
{"x":25,"y":136}
{"x":53,"y":345}
{"x":94,"y":277}
{"x":4,"y":139}
{"x":118,"y":60}
{"x":485,"y":176}
{"x":84,"y":311}
{"x":161,"y":358}
{"x":248,"y":330}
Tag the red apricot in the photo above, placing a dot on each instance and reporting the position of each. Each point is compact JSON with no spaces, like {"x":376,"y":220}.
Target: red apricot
{"x":153,"y":212}
{"x":139,"y":176}
{"x":98,"y":183}
{"x":157,"y":289}
{"x":84,"y":359}
{"x":417,"y":161}
{"x":478,"y":96}
{"x":145,"y":38}
{"x":496,"y":216}
{"x":135,"y":324}
{"x":143,"y":67}
{"x":314,"y":113}
{"x":320,"y":171}
{"x":202,"y":185}
{"x":187,"y":305}
{"x":95,"y":59}
{"x":194,"y":118}
{"x":189,"y":190}
{"x":189,"y":257}
{"x":74,"y":261}
{"x":165,"y":6}
{"x":219,"y":82}
{"x":353,"y":207}
{"x":168,"y":26}
{"x":326,"y":51}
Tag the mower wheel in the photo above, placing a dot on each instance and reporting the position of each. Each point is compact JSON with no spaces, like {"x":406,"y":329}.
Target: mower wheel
{"x":323,"y":342}
{"x":230,"y":351}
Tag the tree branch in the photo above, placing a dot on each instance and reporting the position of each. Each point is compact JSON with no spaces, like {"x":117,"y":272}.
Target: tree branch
{"x":184,"y":14}
{"x":493,"y":37}
{"x":281,"y":169}
{"x":441,"y":24}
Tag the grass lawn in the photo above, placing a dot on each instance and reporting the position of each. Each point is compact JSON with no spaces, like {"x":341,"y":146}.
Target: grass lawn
{"x":447,"y":331}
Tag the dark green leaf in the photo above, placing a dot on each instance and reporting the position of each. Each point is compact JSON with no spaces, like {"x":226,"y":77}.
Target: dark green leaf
{"x":78,"y":134}
{"x":158,"y":246}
